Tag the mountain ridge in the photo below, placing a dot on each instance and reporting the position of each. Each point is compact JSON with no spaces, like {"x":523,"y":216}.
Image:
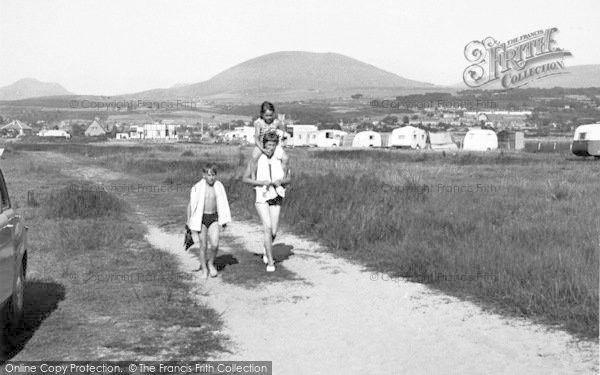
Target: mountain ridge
{"x":31,"y":88}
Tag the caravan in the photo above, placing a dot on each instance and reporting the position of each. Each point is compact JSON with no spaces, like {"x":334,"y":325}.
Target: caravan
{"x":367,"y":139}
{"x":408,"y":137}
{"x":244,"y":134}
{"x":441,"y":141}
{"x":586,"y":140}
{"x":480,"y":140}
{"x":299,"y":134}
{"x":327,"y":138}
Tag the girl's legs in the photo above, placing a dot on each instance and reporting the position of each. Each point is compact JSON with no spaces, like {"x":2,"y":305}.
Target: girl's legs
{"x":213,"y":246}
{"x":263,"y":213}
{"x":274,"y":211}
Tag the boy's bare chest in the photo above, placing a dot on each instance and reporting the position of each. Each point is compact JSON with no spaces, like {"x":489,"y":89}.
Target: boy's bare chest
{"x":210,"y":198}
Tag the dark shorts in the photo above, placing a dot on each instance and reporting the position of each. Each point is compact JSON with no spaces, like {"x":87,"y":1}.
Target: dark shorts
{"x":208,"y":219}
{"x":275,"y":201}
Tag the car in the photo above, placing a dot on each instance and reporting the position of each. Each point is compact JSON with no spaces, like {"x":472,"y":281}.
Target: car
{"x":13,"y":265}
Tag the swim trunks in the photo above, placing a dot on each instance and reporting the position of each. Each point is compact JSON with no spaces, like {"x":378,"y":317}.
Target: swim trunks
{"x":208,"y":219}
{"x":275,"y":201}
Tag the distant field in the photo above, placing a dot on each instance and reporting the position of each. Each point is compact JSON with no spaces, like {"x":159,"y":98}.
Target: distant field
{"x":519,"y":232}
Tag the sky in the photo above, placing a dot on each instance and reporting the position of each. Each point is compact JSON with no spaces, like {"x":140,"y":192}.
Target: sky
{"x":116,"y":47}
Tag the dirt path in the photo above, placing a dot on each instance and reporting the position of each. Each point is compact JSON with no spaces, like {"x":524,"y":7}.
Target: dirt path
{"x":339,"y":319}
{"x":335,"y":318}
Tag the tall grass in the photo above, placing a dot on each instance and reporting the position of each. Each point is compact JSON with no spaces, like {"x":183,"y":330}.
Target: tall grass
{"x":79,"y":148}
{"x":521,"y":242}
{"x":529,"y":249}
{"x":440,"y":157}
{"x":82,"y":202}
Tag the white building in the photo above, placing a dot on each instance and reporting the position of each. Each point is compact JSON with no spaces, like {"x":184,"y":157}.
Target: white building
{"x":136,"y":132}
{"x":300,"y":134}
{"x":160,"y":131}
{"x":54,"y":133}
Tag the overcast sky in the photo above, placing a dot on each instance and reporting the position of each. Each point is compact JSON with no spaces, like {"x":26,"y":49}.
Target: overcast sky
{"x":116,"y":47}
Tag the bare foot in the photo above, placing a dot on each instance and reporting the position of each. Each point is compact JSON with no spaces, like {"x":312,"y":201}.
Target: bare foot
{"x":204,"y":274}
{"x":212,"y":270}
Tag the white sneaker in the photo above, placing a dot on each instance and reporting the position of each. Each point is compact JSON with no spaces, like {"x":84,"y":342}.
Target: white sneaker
{"x":271,"y":268}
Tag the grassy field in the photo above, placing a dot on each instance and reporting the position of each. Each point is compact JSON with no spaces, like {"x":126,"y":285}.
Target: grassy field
{"x":518,"y":232}
{"x":96,"y":288}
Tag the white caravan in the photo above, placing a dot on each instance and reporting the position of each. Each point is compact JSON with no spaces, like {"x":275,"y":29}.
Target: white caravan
{"x":408,"y":137}
{"x":327,"y":138}
{"x":367,"y":139}
{"x":480,"y":140}
{"x":586,"y":140}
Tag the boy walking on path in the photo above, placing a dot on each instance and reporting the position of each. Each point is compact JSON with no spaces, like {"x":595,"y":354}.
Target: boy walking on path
{"x":208,"y":209}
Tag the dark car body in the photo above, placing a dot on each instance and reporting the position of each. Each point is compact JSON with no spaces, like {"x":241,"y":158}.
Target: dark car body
{"x":13,"y":263}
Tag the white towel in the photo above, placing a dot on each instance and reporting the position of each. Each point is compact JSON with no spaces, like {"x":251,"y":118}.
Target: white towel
{"x":270,"y":169}
{"x":196,"y":205}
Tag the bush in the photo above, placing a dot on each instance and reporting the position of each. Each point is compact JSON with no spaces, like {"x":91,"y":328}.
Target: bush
{"x":83,"y":201}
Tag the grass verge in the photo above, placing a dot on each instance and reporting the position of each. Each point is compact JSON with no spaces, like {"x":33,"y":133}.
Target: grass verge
{"x":96,"y":289}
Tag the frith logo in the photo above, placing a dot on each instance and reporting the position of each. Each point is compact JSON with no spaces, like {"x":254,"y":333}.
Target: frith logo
{"x":515,"y":63}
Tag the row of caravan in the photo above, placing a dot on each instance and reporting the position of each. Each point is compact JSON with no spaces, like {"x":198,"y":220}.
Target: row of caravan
{"x":309,"y":135}
{"x":404,"y":137}
{"x":586,"y":140}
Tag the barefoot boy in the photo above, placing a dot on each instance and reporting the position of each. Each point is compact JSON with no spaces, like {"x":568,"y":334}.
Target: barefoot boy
{"x":207,"y":210}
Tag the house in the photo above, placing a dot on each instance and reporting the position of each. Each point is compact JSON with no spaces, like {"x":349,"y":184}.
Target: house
{"x":136,"y":132}
{"x":367,"y":139}
{"x":94,"y":129}
{"x":299,"y":134}
{"x":159,"y":131}
{"x":408,"y":137}
{"x":480,"y":140}
{"x":17,"y":128}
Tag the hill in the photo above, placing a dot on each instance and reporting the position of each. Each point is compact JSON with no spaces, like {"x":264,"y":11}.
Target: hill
{"x":31,"y":88}
{"x":291,"y":74}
